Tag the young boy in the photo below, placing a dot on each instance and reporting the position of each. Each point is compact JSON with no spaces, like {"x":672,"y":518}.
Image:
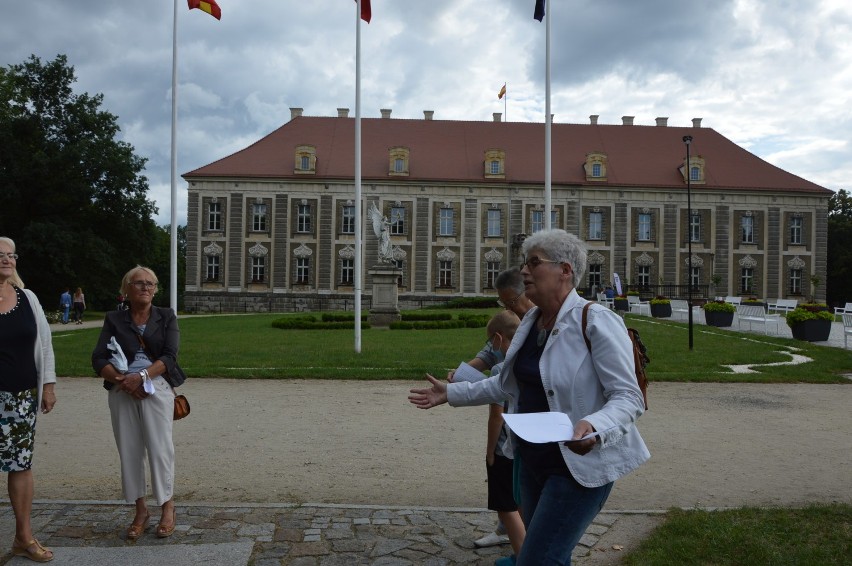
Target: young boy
{"x":498,"y":464}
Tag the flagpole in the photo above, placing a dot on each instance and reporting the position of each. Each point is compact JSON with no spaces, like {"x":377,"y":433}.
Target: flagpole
{"x":505,"y":103}
{"x":174,"y":236}
{"x":547,"y":119}
{"x":358,"y":252}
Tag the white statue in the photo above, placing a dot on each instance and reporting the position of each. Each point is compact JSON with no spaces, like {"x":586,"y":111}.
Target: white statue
{"x":381,"y":226}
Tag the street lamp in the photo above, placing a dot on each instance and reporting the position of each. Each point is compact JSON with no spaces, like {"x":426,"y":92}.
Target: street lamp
{"x":688,"y":140}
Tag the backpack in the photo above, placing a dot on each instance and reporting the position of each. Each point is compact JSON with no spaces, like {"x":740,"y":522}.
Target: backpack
{"x":640,"y":354}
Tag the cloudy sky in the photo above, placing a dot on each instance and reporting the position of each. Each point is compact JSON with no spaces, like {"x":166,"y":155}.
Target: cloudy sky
{"x":775,"y":76}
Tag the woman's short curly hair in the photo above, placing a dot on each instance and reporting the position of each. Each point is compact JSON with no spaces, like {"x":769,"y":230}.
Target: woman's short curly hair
{"x":561,"y":246}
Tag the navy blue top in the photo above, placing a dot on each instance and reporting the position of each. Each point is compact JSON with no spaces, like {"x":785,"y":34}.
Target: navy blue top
{"x":18,"y":333}
{"x":546,"y":458}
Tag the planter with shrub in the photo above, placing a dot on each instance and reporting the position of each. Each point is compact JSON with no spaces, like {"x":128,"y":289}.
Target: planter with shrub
{"x":810,"y":323}
{"x":719,"y":313}
{"x":661,"y":307}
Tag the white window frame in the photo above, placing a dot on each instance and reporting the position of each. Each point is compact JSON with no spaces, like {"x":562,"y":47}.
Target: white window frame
{"x":495,"y":167}
{"x":747,"y":280}
{"x":494,"y":228}
{"x":445,"y":273}
{"x":347,"y":271}
{"x":303,"y":219}
{"x":643,"y":275}
{"x":695,"y":227}
{"x":446,"y":224}
{"x":643,"y":233}
{"x":213,"y":267}
{"x":399,"y":165}
{"x":214,"y":216}
{"x":597,"y":168}
{"x":796,"y":225}
{"x":594,"y":276}
{"x":305,"y":163}
{"x":303,"y":270}
{"x":694,"y":276}
{"x":258,"y":269}
{"x":795,"y":282}
{"x":397,"y":220}
{"x":492,"y":269}
{"x":258,"y":217}
{"x":537,"y":221}
{"x":596,"y":226}
{"x":747,"y":229}
{"x":695,"y":173}
{"x":347,"y":222}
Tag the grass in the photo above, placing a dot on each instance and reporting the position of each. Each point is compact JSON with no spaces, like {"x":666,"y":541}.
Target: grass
{"x":247,"y":346}
{"x":817,"y":535}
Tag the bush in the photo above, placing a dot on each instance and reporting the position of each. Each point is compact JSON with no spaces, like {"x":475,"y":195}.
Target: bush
{"x":427,"y":325}
{"x":660,"y":300}
{"x":469,"y":303}
{"x":800,"y":314}
{"x":719,"y":306}
{"x":309,"y":322}
{"x":341,"y":317}
{"x":411,"y":316}
{"x":53,"y":317}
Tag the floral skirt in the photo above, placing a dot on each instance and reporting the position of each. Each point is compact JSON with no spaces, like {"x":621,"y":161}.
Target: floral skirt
{"x":17,"y":429}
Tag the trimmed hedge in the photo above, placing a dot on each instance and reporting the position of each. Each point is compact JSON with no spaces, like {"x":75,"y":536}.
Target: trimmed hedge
{"x":310,"y":323}
{"x":427,"y":325}
{"x":468,"y":303}
{"x":411,"y":316}
{"x":341,"y":317}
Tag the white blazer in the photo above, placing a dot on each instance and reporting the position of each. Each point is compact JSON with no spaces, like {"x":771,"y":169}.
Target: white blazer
{"x":44,"y":360}
{"x":599,"y":387}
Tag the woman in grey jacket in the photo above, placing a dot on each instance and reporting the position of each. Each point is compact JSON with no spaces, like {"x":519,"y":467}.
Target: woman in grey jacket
{"x":141,"y":400}
{"x":549,"y":368}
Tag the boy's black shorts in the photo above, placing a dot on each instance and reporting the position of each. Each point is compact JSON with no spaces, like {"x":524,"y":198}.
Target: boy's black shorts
{"x":500,"y":491}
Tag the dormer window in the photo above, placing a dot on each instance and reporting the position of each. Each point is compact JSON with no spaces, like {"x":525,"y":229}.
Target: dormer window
{"x":306,"y":160}
{"x":695,"y":168}
{"x":398,"y":161}
{"x":495,"y":164}
{"x":595,"y":166}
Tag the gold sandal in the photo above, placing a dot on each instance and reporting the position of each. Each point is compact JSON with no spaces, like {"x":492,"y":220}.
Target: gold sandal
{"x":135,"y":530}
{"x":40,"y":554}
{"x":163,"y":530}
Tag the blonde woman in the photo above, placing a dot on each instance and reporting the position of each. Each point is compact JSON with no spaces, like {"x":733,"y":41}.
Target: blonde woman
{"x":79,"y":305}
{"x":27,"y":378}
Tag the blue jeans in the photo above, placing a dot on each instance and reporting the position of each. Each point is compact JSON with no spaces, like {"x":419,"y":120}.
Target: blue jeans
{"x":557,"y":510}
{"x":65,"y":310}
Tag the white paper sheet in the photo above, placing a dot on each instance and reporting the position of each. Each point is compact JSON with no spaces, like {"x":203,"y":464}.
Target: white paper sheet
{"x":466,"y":372}
{"x":543,"y":427}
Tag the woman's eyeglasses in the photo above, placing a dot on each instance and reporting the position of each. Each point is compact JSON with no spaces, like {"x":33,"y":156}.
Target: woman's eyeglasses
{"x":510,"y":304}
{"x":143,"y":285}
{"x":4,"y":255}
{"x":535,"y":261}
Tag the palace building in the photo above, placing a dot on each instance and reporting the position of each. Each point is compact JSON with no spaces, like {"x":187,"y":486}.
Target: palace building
{"x":272,"y":227}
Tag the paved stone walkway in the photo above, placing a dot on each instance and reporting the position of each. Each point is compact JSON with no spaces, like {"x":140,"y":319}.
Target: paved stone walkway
{"x":92,"y":533}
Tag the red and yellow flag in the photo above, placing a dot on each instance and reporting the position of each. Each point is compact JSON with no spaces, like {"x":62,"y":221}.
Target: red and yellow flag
{"x":502,"y":92}
{"x":209,"y":6}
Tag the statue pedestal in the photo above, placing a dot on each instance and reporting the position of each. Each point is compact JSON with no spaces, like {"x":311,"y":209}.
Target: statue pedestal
{"x":385,"y":296}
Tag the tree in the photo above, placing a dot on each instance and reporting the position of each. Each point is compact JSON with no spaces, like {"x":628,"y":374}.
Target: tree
{"x":74,"y":197}
{"x":839,"y":272}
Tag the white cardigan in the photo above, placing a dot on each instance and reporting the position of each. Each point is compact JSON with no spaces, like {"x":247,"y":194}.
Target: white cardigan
{"x":600,"y":388}
{"x":44,"y":360}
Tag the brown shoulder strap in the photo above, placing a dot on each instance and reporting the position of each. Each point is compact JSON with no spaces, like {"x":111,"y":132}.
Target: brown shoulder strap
{"x":585,"y":321}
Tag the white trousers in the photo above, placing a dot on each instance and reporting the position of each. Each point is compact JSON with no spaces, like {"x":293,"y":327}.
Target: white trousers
{"x":142,"y":426}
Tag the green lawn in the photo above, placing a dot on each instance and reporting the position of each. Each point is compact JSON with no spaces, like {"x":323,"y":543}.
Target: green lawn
{"x":247,"y":346}
{"x":819,"y":535}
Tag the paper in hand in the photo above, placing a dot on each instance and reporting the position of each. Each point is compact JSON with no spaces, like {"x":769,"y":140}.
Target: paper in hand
{"x":543,"y":427}
{"x":118,"y":359}
{"x":466,"y":372}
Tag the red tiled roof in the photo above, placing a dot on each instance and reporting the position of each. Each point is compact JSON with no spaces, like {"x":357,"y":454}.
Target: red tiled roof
{"x":453,"y":151}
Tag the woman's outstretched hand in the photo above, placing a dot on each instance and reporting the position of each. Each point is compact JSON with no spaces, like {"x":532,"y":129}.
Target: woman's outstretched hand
{"x":429,"y":397}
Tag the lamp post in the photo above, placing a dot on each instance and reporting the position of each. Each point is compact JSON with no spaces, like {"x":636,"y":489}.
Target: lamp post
{"x":687,"y":140}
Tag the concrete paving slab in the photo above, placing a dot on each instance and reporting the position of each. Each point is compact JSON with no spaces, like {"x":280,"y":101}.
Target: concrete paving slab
{"x":223,"y":554}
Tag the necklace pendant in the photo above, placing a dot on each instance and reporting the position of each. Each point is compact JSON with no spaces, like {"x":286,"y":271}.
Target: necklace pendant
{"x":541,"y":338}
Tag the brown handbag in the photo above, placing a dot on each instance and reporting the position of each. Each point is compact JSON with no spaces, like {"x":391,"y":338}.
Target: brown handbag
{"x":181,"y":407}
